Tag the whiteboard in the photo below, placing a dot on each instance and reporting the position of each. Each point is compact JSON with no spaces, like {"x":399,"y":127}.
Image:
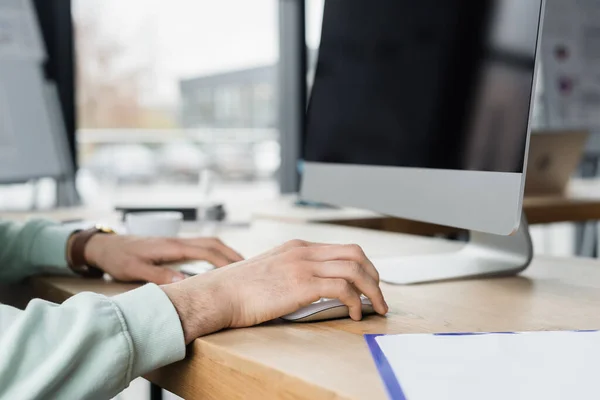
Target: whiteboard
{"x":29,"y":147}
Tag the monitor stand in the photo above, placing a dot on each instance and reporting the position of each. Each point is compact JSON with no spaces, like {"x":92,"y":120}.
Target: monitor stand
{"x":483,"y":256}
{"x":66,"y":193}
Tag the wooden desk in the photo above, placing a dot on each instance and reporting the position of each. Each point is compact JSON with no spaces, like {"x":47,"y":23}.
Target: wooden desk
{"x":330,"y":360}
{"x":580,"y":205}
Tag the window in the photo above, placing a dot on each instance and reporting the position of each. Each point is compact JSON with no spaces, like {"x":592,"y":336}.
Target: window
{"x":228,"y":104}
{"x":168,"y":89}
{"x":264,"y":105}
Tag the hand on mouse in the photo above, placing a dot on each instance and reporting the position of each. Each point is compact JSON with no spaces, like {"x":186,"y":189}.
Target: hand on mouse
{"x":275,"y":284}
{"x":130,"y":258}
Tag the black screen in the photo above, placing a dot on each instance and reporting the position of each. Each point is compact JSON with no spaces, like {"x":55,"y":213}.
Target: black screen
{"x":429,"y":84}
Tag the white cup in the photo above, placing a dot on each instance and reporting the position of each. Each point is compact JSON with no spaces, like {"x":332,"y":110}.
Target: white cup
{"x":163,"y":224}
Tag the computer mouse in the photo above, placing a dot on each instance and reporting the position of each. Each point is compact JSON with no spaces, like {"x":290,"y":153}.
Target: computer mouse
{"x":196,"y":268}
{"x":326,"y":309}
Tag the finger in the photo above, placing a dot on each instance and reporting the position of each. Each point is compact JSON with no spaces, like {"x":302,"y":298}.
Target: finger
{"x":154,"y":274}
{"x":355,"y":274}
{"x":350,"y":252}
{"x":342,"y":290}
{"x":218,"y":245}
{"x":215,"y":244}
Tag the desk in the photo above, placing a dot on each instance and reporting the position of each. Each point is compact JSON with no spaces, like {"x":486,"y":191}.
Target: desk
{"x":330,"y":360}
{"x":580,"y":205}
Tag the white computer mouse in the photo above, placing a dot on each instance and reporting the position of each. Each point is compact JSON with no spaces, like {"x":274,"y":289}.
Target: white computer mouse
{"x":196,"y":268}
{"x":326,"y":309}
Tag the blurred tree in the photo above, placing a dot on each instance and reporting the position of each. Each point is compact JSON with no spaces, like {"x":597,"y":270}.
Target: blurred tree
{"x":108,"y":92}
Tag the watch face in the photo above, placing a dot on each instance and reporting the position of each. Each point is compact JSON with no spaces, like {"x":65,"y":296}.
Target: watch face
{"x":104,"y":229}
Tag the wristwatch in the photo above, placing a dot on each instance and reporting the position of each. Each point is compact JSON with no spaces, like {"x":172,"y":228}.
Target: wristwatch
{"x":76,"y":256}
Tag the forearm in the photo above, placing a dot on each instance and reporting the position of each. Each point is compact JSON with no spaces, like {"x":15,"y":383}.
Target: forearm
{"x":30,"y":248}
{"x":89,"y":347}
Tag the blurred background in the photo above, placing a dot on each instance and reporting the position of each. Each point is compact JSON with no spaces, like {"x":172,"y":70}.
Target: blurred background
{"x":166,"y":90}
{"x":154,"y":94}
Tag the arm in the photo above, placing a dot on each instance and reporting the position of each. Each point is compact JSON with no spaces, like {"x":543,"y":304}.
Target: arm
{"x":31,"y":248}
{"x":91,"y":346}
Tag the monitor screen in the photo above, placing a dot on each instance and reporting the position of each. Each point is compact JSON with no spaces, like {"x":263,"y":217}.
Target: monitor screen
{"x":441,"y":84}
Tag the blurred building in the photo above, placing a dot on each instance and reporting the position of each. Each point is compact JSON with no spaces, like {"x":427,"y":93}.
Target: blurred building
{"x":237,"y":99}
{"x":245,"y":98}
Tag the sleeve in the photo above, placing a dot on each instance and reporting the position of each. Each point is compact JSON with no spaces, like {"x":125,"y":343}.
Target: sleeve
{"x":91,"y":346}
{"x":34,"y":247}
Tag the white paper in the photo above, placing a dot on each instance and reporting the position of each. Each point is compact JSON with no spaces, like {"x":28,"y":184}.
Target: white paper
{"x":537,"y":365}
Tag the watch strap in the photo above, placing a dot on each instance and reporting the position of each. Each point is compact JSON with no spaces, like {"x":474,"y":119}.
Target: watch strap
{"x":77,"y":261}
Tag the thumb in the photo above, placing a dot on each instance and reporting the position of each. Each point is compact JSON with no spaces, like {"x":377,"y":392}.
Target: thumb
{"x":158,"y":275}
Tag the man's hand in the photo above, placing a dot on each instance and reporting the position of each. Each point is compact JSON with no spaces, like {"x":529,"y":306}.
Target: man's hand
{"x":275,"y":284}
{"x":128,"y":258}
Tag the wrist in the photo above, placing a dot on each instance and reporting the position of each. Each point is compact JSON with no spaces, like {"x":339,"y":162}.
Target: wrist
{"x":84,"y":249}
{"x":199,"y":309}
{"x":92,"y":252}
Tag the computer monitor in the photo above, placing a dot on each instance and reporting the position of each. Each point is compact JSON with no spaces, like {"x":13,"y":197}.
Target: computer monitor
{"x":32,"y":139}
{"x":421,"y":110}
